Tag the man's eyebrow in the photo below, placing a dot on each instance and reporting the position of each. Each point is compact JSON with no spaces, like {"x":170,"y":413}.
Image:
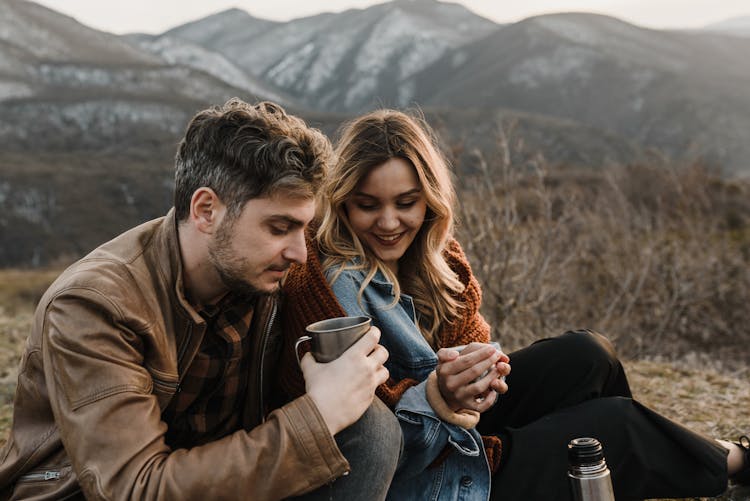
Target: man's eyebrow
{"x":283,"y":218}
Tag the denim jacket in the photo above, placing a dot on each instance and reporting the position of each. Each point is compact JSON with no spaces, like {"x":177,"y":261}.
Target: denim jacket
{"x":464,"y":475}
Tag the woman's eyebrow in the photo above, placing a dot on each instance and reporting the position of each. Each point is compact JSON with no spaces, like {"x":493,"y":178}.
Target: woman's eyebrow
{"x":367,"y":195}
{"x":410,"y":192}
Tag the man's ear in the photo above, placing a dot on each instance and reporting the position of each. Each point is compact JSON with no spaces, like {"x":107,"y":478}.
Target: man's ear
{"x":206,"y":210}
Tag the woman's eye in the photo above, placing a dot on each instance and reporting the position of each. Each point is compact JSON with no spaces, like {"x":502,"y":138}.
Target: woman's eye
{"x":367,"y":207}
{"x":406,"y":204}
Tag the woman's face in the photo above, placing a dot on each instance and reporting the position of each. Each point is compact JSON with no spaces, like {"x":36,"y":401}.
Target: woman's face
{"x":387,"y":209}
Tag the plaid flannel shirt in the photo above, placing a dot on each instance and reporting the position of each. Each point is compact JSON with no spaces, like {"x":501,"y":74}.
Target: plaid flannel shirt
{"x":208,"y":405}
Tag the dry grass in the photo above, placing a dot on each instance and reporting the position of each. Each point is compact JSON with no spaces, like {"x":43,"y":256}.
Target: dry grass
{"x":20,"y":290}
{"x":712,"y":403}
{"x":13,"y":331}
{"x":709,"y":401}
{"x":716,"y":404}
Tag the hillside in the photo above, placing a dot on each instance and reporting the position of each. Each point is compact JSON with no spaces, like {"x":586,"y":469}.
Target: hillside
{"x":350,"y":61}
{"x":684,"y":94}
{"x":90,"y":120}
{"x":59,"y":202}
{"x":64,"y":86}
{"x":737,"y":26}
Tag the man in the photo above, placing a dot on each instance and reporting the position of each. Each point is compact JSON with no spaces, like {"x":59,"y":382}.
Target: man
{"x":150,"y":370}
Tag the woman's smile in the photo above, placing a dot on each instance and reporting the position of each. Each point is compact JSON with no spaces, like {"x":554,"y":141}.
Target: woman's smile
{"x":387,"y":210}
{"x":389,"y":239}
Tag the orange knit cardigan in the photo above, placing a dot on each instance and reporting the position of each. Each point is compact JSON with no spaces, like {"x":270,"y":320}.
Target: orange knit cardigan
{"x":308,"y":297}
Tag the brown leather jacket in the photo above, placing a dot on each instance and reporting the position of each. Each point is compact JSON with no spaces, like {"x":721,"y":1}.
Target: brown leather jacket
{"x":111,"y":340}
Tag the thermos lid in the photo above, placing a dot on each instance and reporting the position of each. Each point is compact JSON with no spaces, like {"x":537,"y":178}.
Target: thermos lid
{"x":585,"y":451}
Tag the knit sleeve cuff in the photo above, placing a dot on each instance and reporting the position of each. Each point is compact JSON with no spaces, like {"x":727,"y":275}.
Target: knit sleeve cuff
{"x":465,"y":418}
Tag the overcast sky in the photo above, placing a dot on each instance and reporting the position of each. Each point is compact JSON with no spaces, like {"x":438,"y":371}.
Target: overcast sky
{"x":156,"y":16}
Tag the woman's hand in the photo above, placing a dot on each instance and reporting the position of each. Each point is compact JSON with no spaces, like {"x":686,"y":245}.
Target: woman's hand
{"x":460,"y":379}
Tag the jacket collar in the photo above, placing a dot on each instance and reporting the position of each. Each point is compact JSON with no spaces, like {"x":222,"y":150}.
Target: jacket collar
{"x":379,"y":279}
{"x":170,"y":266}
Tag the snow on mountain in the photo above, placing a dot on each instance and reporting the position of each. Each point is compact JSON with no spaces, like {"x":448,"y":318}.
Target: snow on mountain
{"x":15,"y":90}
{"x":349,"y":61}
{"x":180,"y":52}
{"x":225,"y":29}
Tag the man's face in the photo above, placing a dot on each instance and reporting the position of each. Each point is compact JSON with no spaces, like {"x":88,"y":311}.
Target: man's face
{"x":252,"y":252}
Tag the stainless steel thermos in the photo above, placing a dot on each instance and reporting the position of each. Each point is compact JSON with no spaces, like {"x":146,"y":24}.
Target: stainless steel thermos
{"x":588,"y":472}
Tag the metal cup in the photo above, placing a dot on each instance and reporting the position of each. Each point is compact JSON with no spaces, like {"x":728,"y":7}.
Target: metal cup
{"x":494,"y":344}
{"x":333,"y":336}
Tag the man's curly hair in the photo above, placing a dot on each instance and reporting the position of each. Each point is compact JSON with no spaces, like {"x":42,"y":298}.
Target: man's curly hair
{"x":244,"y":151}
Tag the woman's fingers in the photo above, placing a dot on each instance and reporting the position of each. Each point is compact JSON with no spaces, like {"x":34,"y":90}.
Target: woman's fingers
{"x":461,"y":389}
{"x":466,"y":360}
{"x":472,"y":378}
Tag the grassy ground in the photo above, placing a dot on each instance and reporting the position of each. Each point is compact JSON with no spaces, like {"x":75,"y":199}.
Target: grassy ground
{"x":19,"y":292}
{"x":716,"y":404}
{"x":709,"y":401}
{"x":13,"y":330}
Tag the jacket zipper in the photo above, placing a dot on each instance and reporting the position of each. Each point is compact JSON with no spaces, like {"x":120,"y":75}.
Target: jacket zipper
{"x":42,"y":475}
{"x":177,"y":385}
{"x":185,"y":344}
{"x":264,"y":345}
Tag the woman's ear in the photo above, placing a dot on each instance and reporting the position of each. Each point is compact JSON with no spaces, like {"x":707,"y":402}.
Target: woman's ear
{"x":206,"y":210}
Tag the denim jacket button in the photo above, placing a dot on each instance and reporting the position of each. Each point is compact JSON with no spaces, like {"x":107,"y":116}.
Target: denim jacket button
{"x":466,"y":481}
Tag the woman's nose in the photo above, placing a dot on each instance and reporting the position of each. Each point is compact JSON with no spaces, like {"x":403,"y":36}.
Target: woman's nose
{"x":388,"y":220}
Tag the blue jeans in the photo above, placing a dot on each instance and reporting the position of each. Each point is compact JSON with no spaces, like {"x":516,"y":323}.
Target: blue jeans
{"x":372,"y":446}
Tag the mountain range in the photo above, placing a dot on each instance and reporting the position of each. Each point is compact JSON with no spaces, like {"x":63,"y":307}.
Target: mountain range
{"x":89,"y":120}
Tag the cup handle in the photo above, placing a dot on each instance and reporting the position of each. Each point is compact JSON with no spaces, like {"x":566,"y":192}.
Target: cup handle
{"x":296,"y":346}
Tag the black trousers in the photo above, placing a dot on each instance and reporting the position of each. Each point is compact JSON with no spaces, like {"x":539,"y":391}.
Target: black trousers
{"x":574,"y":386}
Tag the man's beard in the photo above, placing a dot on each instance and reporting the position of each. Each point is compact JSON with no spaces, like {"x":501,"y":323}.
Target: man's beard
{"x":231,"y":268}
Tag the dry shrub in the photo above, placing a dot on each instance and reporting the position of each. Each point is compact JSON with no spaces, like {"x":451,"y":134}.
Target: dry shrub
{"x":655,"y":256}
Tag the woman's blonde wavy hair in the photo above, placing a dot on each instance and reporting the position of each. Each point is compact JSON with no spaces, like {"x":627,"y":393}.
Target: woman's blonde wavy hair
{"x":368,"y":142}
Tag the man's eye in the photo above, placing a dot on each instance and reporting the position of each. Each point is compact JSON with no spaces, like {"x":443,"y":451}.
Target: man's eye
{"x":279,"y":230}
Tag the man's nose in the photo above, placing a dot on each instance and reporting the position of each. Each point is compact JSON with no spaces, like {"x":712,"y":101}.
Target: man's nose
{"x":296,"y":251}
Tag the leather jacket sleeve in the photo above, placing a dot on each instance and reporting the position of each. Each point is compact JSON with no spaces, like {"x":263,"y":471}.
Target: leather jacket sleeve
{"x":110,"y":422}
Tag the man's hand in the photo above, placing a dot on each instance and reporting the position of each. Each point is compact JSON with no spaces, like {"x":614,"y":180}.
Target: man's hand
{"x":343,"y":389}
{"x":459,"y":378}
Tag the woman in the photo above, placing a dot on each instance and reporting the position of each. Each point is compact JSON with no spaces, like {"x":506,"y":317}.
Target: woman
{"x":384,"y":248}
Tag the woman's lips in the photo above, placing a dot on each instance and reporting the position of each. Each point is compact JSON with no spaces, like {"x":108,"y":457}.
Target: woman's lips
{"x":389,"y":240}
